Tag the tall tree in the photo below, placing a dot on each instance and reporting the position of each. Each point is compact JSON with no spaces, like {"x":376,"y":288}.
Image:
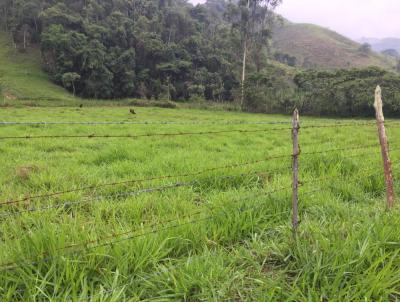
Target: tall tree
{"x":253,"y":19}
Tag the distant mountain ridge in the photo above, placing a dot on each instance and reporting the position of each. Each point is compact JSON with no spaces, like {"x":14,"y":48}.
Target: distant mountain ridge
{"x":380,"y":45}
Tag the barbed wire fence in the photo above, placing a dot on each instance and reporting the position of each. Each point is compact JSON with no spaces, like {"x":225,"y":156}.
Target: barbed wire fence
{"x":17,"y":207}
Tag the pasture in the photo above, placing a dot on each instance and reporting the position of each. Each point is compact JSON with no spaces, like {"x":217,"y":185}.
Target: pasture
{"x":197,"y":216}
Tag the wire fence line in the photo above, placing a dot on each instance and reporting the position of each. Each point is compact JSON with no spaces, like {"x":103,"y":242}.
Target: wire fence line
{"x":158,"y":227}
{"x":161,"y":271}
{"x":94,"y":123}
{"x":205,"y":123}
{"x":175,"y":223}
{"x":134,"y":136}
{"x":176,"y":134}
{"x":118,"y":195}
{"x":163,"y":177}
{"x":235,"y":165}
{"x":134,"y":233}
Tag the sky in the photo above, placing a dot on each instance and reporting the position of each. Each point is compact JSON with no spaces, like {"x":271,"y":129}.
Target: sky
{"x":352,"y":18}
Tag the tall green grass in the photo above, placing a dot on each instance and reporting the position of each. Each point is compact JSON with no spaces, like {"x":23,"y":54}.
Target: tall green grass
{"x":234,"y":241}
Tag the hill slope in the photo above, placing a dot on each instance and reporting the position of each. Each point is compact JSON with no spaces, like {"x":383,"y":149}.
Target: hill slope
{"x":318,"y":47}
{"x":21,"y":76}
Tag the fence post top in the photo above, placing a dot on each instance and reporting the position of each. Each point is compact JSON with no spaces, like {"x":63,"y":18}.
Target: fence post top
{"x":378,"y":103}
{"x":296,"y":118}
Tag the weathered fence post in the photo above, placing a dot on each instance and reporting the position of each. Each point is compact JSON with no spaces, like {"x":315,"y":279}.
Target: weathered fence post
{"x":380,"y":121}
{"x":295,"y":157}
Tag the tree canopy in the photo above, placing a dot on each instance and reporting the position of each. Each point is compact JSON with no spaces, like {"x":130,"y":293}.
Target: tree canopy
{"x":141,"y":48}
{"x":172,"y":50}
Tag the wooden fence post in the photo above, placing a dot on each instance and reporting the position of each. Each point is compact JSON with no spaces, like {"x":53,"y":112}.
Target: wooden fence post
{"x":295,"y":157}
{"x":380,"y":121}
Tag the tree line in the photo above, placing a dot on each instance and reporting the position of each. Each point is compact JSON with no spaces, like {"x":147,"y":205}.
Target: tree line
{"x":166,"y":49}
{"x":171,"y":50}
{"x":343,"y":92}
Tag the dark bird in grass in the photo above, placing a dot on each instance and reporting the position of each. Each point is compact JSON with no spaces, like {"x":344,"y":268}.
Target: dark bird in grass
{"x":81,"y":105}
{"x":132,"y":111}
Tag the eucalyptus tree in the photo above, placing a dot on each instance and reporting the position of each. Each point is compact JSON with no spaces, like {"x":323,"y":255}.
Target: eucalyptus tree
{"x":253,"y":20}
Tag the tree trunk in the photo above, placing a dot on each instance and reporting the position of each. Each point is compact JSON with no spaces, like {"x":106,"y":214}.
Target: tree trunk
{"x":243,"y":74}
{"x":73,"y":88}
{"x":36,"y":25}
{"x":244,"y":62}
{"x":24,"y":38}
{"x":169,"y":89}
{"x":6,"y":19}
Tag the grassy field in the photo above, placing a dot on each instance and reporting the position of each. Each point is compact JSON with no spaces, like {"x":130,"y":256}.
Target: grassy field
{"x":22,"y":78}
{"x":217,"y":235}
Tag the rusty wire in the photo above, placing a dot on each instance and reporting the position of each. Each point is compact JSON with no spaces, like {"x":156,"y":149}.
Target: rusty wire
{"x":236,"y":165}
{"x":101,"y":198}
{"x":105,"y":241}
{"x":89,"y":123}
{"x":16,"y":201}
{"x":105,"y":136}
{"x":142,"y":135}
{"x":131,"y":234}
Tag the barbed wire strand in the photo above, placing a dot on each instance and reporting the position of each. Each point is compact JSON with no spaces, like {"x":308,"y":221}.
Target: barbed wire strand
{"x":288,"y":122}
{"x":230,"y":166}
{"x":160,"y":272}
{"x":10,"y":202}
{"x":121,"y":287}
{"x":205,"y":123}
{"x":91,"y":200}
{"x":93,"y":136}
{"x":99,"y":241}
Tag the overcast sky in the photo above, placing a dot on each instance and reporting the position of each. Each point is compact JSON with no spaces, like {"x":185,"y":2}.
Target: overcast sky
{"x":353,"y":18}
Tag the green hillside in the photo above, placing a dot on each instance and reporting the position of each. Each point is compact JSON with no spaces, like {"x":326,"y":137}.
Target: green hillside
{"x":21,"y":76}
{"x":318,"y":47}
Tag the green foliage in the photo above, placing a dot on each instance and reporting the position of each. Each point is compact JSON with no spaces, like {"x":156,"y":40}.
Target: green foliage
{"x":69,"y":79}
{"x":347,"y":92}
{"x":120,"y":48}
{"x":285,"y":58}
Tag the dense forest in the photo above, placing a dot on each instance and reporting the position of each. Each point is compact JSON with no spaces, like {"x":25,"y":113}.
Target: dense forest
{"x":172,"y":50}
{"x":144,"y":48}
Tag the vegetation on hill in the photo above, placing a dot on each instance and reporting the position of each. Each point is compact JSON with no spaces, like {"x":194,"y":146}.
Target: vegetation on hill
{"x":347,"y":92}
{"x":343,"y":92}
{"x":172,"y":50}
{"x":315,"y":47}
{"x":21,"y":75}
{"x":146,"y":48}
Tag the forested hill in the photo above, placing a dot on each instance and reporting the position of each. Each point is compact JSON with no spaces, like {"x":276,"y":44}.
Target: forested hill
{"x":220,"y":51}
{"x":124,"y":48}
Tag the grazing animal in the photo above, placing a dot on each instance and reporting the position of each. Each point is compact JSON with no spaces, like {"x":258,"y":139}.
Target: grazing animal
{"x":132,"y":111}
